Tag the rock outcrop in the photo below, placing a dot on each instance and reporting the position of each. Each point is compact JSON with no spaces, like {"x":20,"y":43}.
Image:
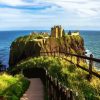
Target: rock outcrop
{"x":32,"y":45}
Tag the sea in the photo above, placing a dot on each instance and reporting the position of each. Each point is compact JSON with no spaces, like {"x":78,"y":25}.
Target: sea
{"x":91,"y":42}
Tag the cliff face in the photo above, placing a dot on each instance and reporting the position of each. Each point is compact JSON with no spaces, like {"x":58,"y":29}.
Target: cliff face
{"x":31,"y":46}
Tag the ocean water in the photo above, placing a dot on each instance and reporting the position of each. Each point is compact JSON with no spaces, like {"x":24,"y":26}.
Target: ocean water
{"x":91,"y":40}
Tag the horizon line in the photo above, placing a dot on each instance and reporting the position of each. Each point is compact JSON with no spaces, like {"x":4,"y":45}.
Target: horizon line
{"x":50,"y":29}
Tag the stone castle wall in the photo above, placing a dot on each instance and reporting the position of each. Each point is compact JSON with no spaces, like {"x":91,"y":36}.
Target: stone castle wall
{"x":56,"y":31}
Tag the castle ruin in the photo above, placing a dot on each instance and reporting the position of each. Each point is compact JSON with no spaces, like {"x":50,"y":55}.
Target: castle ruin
{"x":57,"y":31}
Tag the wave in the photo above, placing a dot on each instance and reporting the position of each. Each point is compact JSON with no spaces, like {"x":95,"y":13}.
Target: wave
{"x":88,"y":52}
{"x":96,"y":65}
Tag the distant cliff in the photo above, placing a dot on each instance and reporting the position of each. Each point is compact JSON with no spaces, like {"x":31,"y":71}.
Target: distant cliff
{"x":32,"y":45}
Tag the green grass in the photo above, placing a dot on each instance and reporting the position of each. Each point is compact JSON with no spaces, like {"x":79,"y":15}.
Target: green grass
{"x":12,"y":88}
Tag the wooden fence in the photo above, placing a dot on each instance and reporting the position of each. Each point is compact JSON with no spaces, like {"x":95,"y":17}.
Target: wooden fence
{"x":57,"y":91}
{"x":78,"y":57}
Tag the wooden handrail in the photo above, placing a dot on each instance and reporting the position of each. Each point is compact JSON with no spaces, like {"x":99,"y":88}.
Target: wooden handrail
{"x":80,"y":56}
{"x":91,"y":59}
{"x":84,"y":57}
{"x":94,"y":73}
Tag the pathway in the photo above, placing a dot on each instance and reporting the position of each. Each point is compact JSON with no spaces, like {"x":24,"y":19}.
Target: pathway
{"x":35,"y":90}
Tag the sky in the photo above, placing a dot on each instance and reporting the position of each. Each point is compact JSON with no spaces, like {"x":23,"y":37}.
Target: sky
{"x":43,"y":14}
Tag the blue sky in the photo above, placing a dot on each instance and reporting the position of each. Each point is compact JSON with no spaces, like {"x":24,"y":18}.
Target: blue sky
{"x":43,"y":14}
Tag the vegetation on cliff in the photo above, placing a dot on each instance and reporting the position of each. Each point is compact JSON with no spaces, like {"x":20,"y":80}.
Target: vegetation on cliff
{"x":68,"y":74}
{"x":32,"y":45}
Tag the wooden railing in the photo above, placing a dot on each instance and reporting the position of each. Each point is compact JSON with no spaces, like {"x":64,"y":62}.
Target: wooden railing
{"x":57,"y":91}
{"x":90,"y":59}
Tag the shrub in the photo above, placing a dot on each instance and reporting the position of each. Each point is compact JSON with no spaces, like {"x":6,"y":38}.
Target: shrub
{"x":11,"y":87}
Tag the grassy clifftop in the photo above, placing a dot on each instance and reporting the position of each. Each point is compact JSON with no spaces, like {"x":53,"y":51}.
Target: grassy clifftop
{"x":32,"y":45}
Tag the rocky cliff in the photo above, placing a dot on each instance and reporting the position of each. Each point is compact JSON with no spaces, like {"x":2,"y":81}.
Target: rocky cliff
{"x":32,"y":45}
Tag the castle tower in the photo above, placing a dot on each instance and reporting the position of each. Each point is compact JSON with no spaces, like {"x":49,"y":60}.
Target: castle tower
{"x":61,"y":31}
{"x":57,"y":31}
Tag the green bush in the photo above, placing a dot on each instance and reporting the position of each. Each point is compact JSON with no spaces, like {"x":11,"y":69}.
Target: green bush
{"x":11,"y":87}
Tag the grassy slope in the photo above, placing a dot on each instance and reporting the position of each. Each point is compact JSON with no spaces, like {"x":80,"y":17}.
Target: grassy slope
{"x":12,"y":88}
{"x":68,"y":74}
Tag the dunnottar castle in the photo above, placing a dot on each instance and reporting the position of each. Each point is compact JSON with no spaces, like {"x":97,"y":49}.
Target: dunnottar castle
{"x":58,"y":31}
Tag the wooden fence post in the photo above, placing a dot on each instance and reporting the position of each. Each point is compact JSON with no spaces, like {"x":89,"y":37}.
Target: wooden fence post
{"x":90,"y":66}
{"x":54,"y":88}
{"x":68,"y":94}
{"x":71,"y":95}
{"x":51,"y":87}
{"x":50,"y":94}
{"x":62,"y":93}
{"x":76,"y":96}
{"x":48,"y":87}
{"x":57,"y":90}
{"x":65,"y":94}
{"x":1,"y":98}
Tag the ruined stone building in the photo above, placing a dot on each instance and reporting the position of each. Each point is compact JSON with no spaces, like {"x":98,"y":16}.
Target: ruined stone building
{"x":57,"y":31}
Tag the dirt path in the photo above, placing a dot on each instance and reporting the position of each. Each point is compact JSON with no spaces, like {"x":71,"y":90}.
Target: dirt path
{"x":35,"y":90}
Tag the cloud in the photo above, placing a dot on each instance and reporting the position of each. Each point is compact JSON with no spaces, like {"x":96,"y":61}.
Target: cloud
{"x":32,"y":13}
{"x":13,"y":2}
{"x":65,"y":4}
{"x":84,"y":8}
